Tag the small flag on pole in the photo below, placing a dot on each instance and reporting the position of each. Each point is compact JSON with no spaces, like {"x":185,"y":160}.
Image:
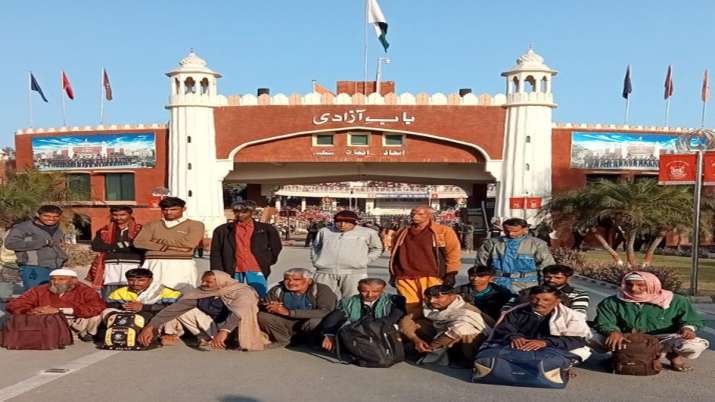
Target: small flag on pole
{"x":34,"y":86}
{"x":67,"y":86}
{"x":705,"y":94}
{"x":107,"y":86}
{"x":320,"y":89}
{"x":668,"y":84}
{"x":627,"y":87}
{"x":375,"y":17}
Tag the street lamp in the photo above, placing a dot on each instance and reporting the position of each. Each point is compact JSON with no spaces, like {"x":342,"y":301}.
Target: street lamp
{"x":380,"y":61}
{"x":697,"y":140}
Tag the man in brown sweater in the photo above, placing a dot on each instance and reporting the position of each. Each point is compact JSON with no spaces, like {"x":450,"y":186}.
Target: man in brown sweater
{"x":170,"y":244}
{"x":424,"y":254}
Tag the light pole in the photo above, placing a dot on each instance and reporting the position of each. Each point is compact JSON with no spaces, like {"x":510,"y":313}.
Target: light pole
{"x":698,"y":140}
{"x":378,"y":77}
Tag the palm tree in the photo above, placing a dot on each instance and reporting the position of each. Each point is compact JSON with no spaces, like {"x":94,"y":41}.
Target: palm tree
{"x":25,"y":191}
{"x":641,"y":208}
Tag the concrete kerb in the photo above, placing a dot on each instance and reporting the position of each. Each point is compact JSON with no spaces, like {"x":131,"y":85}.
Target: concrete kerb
{"x":692,"y":299}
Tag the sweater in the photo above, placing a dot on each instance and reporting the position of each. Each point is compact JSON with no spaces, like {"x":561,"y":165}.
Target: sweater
{"x":227,"y":320}
{"x":615,"y":315}
{"x":34,"y":245}
{"x":321,"y":297}
{"x":81,"y":301}
{"x":156,"y":237}
{"x":491,"y":301}
{"x":335,"y":320}
{"x":446,"y":250}
{"x":348,"y":252}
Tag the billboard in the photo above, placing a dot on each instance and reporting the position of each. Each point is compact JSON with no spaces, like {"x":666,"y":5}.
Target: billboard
{"x":94,"y":151}
{"x":600,"y":150}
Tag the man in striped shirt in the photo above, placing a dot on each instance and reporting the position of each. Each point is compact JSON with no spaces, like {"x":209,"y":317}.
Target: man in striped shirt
{"x":558,"y":276}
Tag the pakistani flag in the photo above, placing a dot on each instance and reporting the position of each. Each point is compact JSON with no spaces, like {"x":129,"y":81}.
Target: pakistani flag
{"x":375,"y":17}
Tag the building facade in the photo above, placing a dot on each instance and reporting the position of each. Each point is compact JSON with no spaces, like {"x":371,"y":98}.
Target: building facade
{"x":466,"y":140}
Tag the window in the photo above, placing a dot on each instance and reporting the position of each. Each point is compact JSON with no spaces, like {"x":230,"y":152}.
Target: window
{"x":79,"y":186}
{"x":119,"y":187}
{"x":323,"y":140}
{"x":358,"y":140}
{"x":393,"y":140}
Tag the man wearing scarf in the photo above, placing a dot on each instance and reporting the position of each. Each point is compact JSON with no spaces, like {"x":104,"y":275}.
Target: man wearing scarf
{"x":219,"y":306}
{"x":371,"y":301}
{"x":642,"y":305}
{"x":114,"y":244}
{"x":447,"y":322}
{"x":37,"y":243}
{"x":142,"y":295}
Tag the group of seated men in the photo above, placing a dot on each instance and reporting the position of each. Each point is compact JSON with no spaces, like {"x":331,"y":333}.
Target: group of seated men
{"x":451,"y":326}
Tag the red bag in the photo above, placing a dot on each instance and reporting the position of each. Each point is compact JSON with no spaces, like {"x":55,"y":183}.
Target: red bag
{"x":36,"y":332}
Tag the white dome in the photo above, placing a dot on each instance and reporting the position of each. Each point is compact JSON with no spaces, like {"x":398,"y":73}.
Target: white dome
{"x":192,"y":63}
{"x":530,"y":61}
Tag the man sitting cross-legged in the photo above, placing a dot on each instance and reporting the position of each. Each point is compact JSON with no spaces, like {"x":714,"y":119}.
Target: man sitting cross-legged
{"x":642,"y":305}
{"x":446,"y":321}
{"x":211,"y":312}
{"x":370,"y":302}
{"x":295,"y":308}
{"x":141,"y":295}
{"x":543,"y":322}
{"x":79,"y":303}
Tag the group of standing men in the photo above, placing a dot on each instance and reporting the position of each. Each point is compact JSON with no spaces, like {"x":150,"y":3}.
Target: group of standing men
{"x":516,"y":296}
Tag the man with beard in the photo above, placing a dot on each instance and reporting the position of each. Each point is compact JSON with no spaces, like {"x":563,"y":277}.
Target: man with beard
{"x":37,"y":245}
{"x":79,"y":303}
{"x":218,"y":307}
{"x":116,"y":252}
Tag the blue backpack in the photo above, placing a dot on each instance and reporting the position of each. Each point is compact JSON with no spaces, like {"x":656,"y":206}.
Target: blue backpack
{"x":545,"y":368}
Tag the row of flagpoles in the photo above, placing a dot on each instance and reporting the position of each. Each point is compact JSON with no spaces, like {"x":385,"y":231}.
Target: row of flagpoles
{"x":667,"y":94}
{"x":66,"y":90}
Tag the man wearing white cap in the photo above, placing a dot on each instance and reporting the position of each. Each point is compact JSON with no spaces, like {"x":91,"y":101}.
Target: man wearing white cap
{"x":79,"y":303}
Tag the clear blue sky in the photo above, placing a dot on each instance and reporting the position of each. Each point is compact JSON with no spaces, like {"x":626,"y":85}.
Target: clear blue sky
{"x":437,"y":45}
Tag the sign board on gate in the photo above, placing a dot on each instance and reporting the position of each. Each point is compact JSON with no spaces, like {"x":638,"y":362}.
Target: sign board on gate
{"x":677,"y":169}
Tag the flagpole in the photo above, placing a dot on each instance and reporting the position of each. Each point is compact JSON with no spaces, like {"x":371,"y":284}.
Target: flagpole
{"x":62,"y":88}
{"x":29,"y":96}
{"x":364,"y":83}
{"x":628,"y":106}
{"x":101,"y":96}
{"x":702,"y":118}
{"x":667,"y":112}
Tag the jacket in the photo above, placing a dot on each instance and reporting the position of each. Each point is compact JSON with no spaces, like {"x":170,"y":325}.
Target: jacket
{"x":265,"y":246}
{"x":335,"y":320}
{"x":81,"y":301}
{"x":615,"y":315}
{"x":165,"y":297}
{"x":35,"y":246}
{"x":491,"y":302}
{"x":525,"y":266}
{"x":321,"y":297}
{"x":345,"y":252}
{"x":445,"y":247}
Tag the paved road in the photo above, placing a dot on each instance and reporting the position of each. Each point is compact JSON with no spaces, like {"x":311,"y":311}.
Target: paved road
{"x":184,"y":374}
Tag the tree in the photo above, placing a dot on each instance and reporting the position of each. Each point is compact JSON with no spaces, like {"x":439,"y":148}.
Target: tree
{"x":25,"y":191}
{"x":642,"y":208}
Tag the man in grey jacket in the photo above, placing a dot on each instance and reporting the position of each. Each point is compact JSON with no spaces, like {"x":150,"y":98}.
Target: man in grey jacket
{"x":341,"y":253}
{"x":37,"y":245}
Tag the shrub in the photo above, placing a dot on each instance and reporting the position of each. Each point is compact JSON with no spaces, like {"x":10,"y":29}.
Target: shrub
{"x":610,"y":272}
{"x":78,"y":255}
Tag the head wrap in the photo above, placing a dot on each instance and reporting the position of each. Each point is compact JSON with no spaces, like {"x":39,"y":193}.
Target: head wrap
{"x":63,"y":272}
{"x":654,"y":294}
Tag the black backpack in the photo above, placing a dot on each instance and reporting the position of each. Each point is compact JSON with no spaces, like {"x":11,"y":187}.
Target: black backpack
{"x":370,"y":343}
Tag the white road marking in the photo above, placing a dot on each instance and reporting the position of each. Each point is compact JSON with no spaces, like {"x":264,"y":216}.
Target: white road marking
{"x":43,"y":378}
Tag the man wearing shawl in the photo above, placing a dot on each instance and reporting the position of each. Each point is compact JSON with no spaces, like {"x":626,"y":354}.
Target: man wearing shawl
{"x":642,"y":305}
{"x":372,"y":302}
{"x":220,"y":305}
{"x":114,"y":244}
{"x":142,"y":295}
{"x":543,"y":322}
{"x":447,"y":321}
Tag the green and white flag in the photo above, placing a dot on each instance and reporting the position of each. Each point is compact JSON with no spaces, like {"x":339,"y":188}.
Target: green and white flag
{"x":375,"y":17}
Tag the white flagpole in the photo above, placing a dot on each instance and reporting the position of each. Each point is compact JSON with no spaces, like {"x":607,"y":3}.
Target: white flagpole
{"x":62,"y":89}
{"x":101,"y":95}
{"x":628,"y":106}
{"x":364,"y":84}
{"x":29,"y":95}
{"x":667,"y":112}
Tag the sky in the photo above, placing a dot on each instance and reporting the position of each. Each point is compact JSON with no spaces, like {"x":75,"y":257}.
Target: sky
{"x":436,"y":46}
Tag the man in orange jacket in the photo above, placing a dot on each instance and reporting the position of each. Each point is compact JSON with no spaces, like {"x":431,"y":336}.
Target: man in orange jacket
{"x":423,"y":255}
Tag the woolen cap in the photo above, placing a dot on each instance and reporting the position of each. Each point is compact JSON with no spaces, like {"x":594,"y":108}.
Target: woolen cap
{"x":346,"y":216}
